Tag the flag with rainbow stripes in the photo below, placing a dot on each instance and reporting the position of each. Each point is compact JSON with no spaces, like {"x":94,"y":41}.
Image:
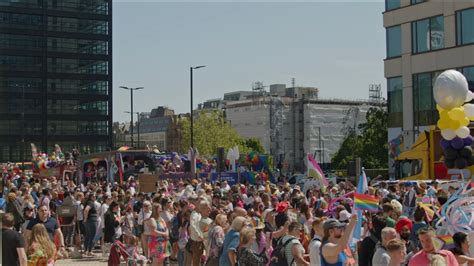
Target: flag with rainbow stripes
{"x":366,"y":202}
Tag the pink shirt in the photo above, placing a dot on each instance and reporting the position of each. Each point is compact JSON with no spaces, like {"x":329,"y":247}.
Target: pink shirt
{"x":421,"y":258}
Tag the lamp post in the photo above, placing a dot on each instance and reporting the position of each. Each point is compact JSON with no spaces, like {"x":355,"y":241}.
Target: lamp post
{"x":131,"y":108}
{"x":138,"y":125}
{"x":192,"y":116}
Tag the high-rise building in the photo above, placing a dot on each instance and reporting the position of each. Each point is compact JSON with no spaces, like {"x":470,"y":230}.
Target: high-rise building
{"x":55,"y":76}
{"x":424,"y":38}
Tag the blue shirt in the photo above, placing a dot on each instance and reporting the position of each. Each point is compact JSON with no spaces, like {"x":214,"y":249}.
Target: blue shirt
{"x":231,"y":242}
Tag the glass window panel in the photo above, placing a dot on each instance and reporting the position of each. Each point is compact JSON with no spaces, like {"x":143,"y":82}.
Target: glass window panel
{"x":30,"y":85}
{"x":469,"y":74}
{"x":394,"y":42}
{"x":77,"y":25}
{"x":395,"y":94}
{"x":417,"y":1}
{"x":20,"y":21}
{"x":392,"y":4}
{"x":77,"y":107}
{"x":77,"y":66}
{"x":82,"y":6}
{"x":421,"y":36}
{"x":424,"y":105}
{"x":21,"y":3}
{"x":464,"y":26}
{"x":77,"y":46}
{"x":69,"y":86}
{"x":20,"y":63}
{"x":23,"y":42}
{"x":437,"y":32}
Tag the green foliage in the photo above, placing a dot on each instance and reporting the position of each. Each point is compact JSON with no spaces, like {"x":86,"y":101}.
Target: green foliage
{"x":370,"y":145}
{"x":212,"y":131}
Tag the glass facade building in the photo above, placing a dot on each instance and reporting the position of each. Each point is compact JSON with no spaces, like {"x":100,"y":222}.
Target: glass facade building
{"x":55,"y":76}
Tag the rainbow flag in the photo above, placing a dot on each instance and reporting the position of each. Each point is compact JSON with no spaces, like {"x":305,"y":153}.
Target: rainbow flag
{"x":448,"y":241}
{"x":365,"y":202}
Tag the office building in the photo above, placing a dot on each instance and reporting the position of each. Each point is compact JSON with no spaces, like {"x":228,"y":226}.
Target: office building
{"x":55,"y":76}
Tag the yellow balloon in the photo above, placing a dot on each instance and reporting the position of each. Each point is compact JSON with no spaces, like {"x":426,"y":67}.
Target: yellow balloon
{"x":456,"y":113}
{"x":454,"y":124}
{"x":444,"y":115}
{"x":439,"y":108}
{"x":443,"y":123}
{"x":464,"y":122}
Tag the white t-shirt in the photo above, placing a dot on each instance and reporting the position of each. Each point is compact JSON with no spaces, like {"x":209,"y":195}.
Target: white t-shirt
{"x":315,"y":252}
{"x":288,"y":249}
{"x":102,"y":210}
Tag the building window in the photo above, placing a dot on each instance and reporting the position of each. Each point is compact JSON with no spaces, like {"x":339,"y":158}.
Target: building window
{"x":394,"y":41}
{"x":392,"y":4}
{"x":413,"y":2}
{"x":424,"y":106}
{"x":468,"y":72}
{"x":464,"y":26}
{"x":427,"y":34}
{"x":395,"y":101}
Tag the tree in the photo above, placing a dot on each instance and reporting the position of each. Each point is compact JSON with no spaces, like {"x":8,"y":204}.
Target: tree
{"x":371,"y":145}
{"x":251,"y":144}
{"x":210,"y":132}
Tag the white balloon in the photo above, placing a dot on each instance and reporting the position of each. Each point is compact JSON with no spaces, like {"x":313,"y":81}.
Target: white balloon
{"x":450,"y":89}
{"x":448,"y":134}
{"x":469,"y":96}
{"x":469,"y":109}
{"x":463,"y":132}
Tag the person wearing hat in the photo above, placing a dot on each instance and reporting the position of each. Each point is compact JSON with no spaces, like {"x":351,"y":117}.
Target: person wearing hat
{"x":404,"y":226}
{"x":335,"y":241}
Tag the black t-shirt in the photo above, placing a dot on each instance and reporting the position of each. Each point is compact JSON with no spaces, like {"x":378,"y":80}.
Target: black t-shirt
{"x":50,"y":224}
{"x":11,"y":241}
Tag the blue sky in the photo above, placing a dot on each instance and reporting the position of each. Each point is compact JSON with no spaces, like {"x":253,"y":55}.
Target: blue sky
{"x":336,"y":46}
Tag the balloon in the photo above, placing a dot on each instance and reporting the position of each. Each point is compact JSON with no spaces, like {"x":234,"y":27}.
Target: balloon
{"x":457,"y":143}
{"x":448,"y":134}
{"x":450,"y":153}
{"x":450,"y":89}
{"x":439,"y":108}
{"x":469,"y":96}
{"x":449,"y":163}
{"x":454,"y":124}
{"x":460,"y":163}
{"x":456,"y":113}
{"x":466,"y":152}
{"x":469,"y":109}
{"x":443,"y":123}
{"x":445,"y":144}
{"x":463,"y":132}
{"x":464,"y":122}
{"x":467,"y":141}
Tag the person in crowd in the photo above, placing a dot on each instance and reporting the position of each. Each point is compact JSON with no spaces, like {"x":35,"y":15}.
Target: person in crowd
{"x":388,"y":212}
{"x":381,"y":256}
{"x":228,"y":256}
{"x":315,"y":244}
{"x":50,"y":224}
{"x":141,"y":230}
{"x":216,"y":239}
{"x":397,"y":251}
{"x":112,"y":229}
{"x":419,"y":216}
{"x":41,"y":250}
{"x":158,"y":237}
{"x":367,"y":246}
{"x":14,"y":253}
{"x":294,"y":250}
{"x":335,"y":241}
{"x":404,"y":227}
{"x":246,"y":255}
{"x":461,"y":249}
{"x":196,"y":234}
{"x":429,"y":255}
{"x":90,"y":223}
{"x":14,"y":207}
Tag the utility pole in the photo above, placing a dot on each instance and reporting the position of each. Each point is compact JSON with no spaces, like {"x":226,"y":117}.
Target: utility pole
{"x":131,"y":109}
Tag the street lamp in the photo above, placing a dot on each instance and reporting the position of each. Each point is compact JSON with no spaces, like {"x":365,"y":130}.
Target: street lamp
{"x":131,"y":108}
{"x":192,"y":117}
{"x":138,"y":125}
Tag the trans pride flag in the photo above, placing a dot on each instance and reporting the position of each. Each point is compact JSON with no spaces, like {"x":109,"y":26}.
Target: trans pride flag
{"x":315,"y":171}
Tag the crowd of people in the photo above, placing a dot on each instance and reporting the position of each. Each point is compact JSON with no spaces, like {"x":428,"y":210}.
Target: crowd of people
{"x":196,"y":222}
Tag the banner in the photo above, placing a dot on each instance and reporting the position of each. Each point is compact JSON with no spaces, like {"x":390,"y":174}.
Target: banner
{"x":147,"y":183}
{"x":231,"y":178}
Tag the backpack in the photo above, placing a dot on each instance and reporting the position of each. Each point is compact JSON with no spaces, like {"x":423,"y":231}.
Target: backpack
{"x":278,"y":257}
